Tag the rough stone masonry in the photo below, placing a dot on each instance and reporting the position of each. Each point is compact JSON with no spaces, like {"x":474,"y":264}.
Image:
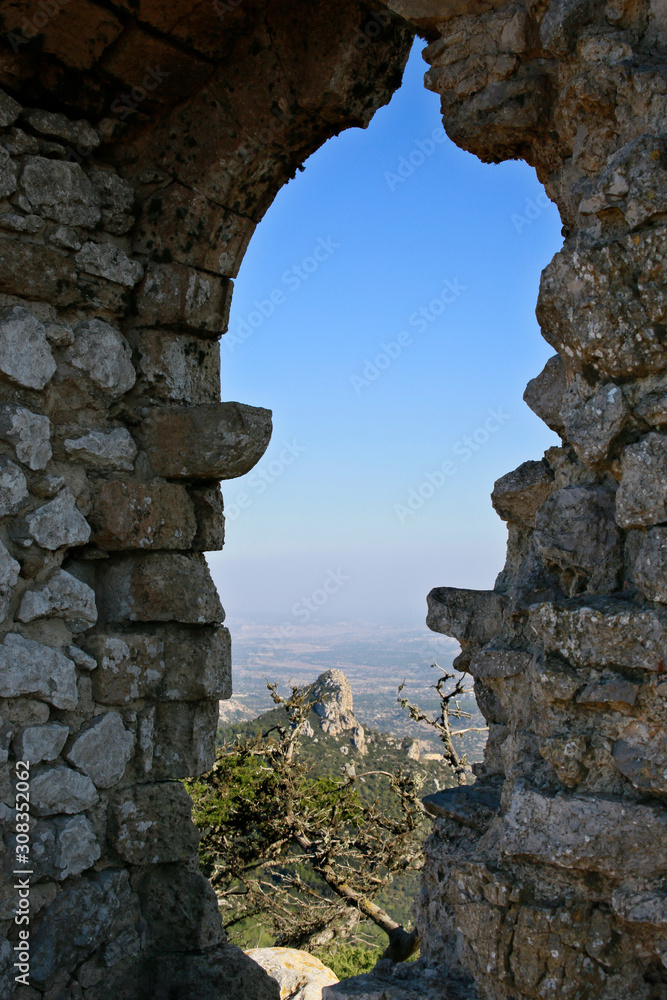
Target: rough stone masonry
{"x":140,"y":144}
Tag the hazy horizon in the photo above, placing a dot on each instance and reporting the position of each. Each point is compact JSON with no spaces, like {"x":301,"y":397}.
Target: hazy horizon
{"x":385,"y":313}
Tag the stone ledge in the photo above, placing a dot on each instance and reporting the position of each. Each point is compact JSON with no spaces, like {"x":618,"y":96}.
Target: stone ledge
{"x":406,"y":981}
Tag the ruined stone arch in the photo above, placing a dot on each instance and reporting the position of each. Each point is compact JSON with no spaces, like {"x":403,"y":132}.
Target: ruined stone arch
{"x":141,"y":144}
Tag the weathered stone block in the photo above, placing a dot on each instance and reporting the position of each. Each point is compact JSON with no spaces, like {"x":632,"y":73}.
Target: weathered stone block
{"x":60,"y":596}
{"x":650,"y":569}
{"x":517,"y":495}
{"x":606,"y":307}
{"x":30,"y":433}
{"x":180,"y":368}
{"x":224,"y":972}
{"x":619,"y":839}
{"x":184,"y":738}
{"x":57,"y":790}
{"x":544,"y":394}
{"x":57,"y":126}
{"x":606,"y":633}
{"x":180,"y":665}
{"x":181,"y":909}
{"x":102,"y":749}
{"x":9,"y":109}
{"x":130,"y":515}
{"x":38,"y":743}
{"x":104,"y":449}
{"x":211,"y":441}
{"x":27,"y":667}
{"x":106,"y":260}
{"x":158,"y":587}
{"x":60,"y":190}
{"x":8,"y":172}
{"x":172,"y":217}
{"x":25,"y":355}
{"x":209,"y":512}
{"x":592,"y":423}
{"x":58,"y":523}
{"x":175,"y":295}
{"x":103,"y":353}
{"x":116,"y":200}
{"x":13,"y":487}
{"x":491,"y":663}
{"x":641,"y":755}
{"x":468,"y":615}
{"x":9,"y":574}
{"x":63,"y":847}
{"x":576,"y":532}
{"x":151,"y":824}
{"x":642,"y":495}
{"x":90,"y":905}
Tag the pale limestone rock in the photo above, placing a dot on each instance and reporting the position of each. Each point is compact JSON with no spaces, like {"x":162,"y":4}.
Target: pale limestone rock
{"x":61,"y":191}
{"x":56,"y":790}
{"x":61,"y":596}
{"x":13,"y":487}
{"x":642,"y":495}
{"x":108,"y":261}
{"x":105,"y":449}
{"x":9,"y":574}
{"x":30,"y":433}
{"x":27,"y":667}
{"x":25,"y":355}
{"x":331,"y":695}
{"x":38,"y":743}
{"x":103,"y":749}
{"x":300,"y":975}
{"x":103,"y":353}
{"x":58,"y":523}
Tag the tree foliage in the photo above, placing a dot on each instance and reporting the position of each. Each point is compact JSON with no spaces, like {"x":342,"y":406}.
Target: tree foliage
{"x":303,"y":853}
{"x":306,"y":855}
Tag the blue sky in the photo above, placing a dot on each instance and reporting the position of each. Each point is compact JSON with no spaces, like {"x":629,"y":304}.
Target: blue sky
{"x":385,"y":313}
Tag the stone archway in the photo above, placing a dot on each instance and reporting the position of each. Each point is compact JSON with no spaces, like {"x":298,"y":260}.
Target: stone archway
{"x":118,"y":246}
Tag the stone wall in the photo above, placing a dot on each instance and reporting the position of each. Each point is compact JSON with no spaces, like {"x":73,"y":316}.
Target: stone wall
{"x":548,"y":878}
{"x":139,"y":147}
{"x":128,"y":198}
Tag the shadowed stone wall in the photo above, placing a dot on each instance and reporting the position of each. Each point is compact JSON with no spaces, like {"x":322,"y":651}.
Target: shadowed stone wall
{"x":140,"y":143}
{"x":162,"y":135}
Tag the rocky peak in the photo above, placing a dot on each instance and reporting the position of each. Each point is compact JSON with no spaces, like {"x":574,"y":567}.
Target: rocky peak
{"x":334,"y":706}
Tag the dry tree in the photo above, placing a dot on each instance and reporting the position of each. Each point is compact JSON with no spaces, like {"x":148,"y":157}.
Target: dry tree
{"x":305,"y":854}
